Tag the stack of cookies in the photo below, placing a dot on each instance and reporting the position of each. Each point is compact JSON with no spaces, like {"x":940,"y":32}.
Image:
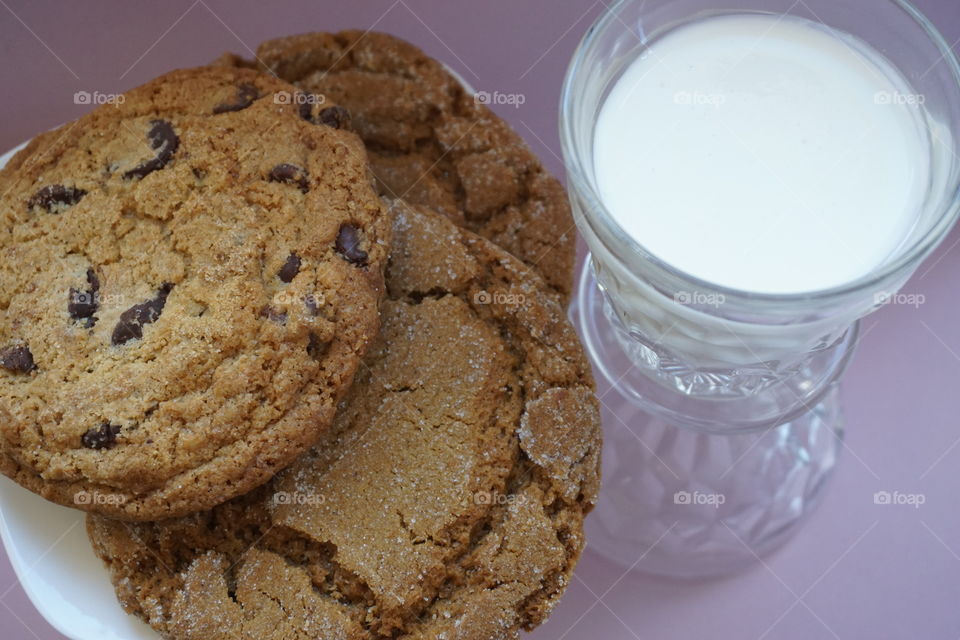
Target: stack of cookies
{"x":296,"y":330}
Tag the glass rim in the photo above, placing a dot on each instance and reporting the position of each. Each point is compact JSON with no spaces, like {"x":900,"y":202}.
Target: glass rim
{"x":581,"y":184}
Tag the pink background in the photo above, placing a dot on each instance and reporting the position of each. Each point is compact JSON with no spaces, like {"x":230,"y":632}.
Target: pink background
{"x":858,"y":570}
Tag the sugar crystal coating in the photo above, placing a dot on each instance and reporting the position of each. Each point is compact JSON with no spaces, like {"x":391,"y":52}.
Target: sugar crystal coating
{"x":421,"y":514}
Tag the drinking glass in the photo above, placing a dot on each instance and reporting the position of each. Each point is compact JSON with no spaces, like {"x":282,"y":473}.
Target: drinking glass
{"x":721,"y":412}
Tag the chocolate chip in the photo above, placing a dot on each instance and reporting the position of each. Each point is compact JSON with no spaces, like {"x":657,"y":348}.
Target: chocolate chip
{"x":93,"y":280}
{"x":130,"y":326}
{"x":83,"y":304}
{"x":49,"y":197}
{"x":291,"y":174}
{"x":304,"y":107}
{"x":348,"y":245}
{"x":280,"y":317}
{"x":290,"y":268}
{"x":310,"y":302}
{"x":102,"y":437}
{"x":335,"y":116}
{"x":316,"y":348}
{"x":246,"y":94}
{"x":17,"y":359}
{"x":163,"y":139}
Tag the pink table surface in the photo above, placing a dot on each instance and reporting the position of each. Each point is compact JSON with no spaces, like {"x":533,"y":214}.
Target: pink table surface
{"x":858,"y":570}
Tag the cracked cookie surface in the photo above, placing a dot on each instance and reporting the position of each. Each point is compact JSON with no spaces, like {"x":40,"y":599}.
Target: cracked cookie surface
{"x":178,"y":322}
{"x":431,"y":142}
{"x":447,"y":501}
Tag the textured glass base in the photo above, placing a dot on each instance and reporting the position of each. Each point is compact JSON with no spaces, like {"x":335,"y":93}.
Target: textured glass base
{"x":685,"y":500}
{"x":682,"y":503}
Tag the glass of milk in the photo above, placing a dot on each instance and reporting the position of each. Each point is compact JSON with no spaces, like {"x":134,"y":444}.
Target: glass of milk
{"x":752,"y":177}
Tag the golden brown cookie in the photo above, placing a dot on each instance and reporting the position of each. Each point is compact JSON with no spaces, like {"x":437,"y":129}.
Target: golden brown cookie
{"x":189,"y":279}
{"x":432,"y":143}
{"x":446,"y":502}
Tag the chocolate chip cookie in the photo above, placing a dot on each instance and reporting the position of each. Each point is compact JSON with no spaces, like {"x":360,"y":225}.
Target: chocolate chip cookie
{"x":190,"y":277}
{"x":433,"y":143}
{"x":446,"y":502}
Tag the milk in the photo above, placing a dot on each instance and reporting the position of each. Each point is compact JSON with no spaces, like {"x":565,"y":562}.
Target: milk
{"x":763,"y":153}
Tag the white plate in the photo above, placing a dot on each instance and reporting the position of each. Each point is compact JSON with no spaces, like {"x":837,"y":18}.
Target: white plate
{"x":52,"y":557}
